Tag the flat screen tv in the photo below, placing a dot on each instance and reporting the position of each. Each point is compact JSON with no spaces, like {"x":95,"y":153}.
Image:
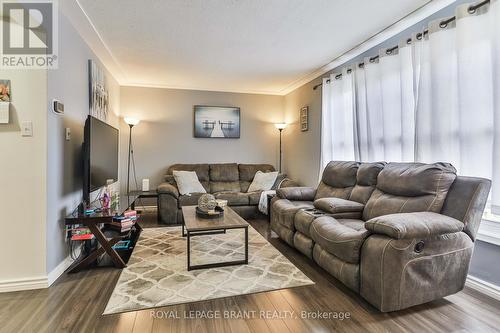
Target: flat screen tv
{"x":100,"y":150}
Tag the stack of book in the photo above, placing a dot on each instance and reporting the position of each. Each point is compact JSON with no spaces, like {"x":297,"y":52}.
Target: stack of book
{"x":125,"y":222}
{"x":81,"y":234}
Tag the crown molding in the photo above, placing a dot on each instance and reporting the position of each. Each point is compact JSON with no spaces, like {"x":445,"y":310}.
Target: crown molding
{"x":406,"y":22}
{"x":213,"y":89}
{"x":87,"y":30}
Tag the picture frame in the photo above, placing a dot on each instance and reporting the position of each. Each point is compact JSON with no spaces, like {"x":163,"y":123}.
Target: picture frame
{"x":5,"y":91}
{"x":217,"y":122}
{"x":98,"y":92}
{"x":304,"y":119}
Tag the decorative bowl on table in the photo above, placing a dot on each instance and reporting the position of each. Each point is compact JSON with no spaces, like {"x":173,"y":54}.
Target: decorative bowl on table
{"x":207,"y":207}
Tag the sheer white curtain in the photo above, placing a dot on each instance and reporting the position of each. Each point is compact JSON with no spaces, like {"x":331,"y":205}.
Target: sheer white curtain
{"x":386,"y":107}
{"x":337,"y":126}
{"x":458,"y":94}
{"x":434,"y":99}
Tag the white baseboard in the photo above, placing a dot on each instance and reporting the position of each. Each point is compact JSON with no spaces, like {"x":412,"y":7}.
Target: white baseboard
{"x":59,"y":270}
{"x":38,"y":282}
{"x":483,"y":287}
{"x":23,"y":284}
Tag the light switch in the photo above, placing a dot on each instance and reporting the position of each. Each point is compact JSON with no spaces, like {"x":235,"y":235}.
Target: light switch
{"x":27,"y":128}
{"x":68,"y":134}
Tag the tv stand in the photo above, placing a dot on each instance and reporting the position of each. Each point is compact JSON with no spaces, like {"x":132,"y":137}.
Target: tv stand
{"x":97,"y":223}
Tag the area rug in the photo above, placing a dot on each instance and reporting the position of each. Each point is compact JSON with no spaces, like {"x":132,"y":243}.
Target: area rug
{"x":156,"y":274}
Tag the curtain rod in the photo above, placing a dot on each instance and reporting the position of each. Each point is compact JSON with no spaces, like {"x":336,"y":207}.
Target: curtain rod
{"x":443,"y":24}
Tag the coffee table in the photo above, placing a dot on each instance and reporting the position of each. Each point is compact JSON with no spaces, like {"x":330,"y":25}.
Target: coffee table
{"x":196,"y":226}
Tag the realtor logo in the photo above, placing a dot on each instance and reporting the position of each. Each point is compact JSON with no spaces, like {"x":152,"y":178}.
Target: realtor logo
{"x":29,"y":38}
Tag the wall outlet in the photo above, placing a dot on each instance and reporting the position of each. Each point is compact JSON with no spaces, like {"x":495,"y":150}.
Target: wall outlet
{"x":27,"y":128}
{"x":68,"y":134}
{"x":145,"y":185}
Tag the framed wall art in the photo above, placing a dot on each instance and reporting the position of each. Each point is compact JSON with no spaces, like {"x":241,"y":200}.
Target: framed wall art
{"x":304,"y":118}
{"x":216,"y":122}
{"x":98,"y":92}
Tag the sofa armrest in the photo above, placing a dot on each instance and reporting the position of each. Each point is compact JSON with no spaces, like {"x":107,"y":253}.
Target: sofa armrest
{"x":414,"y":225}
{"x":296,"y":193}
{"x":167,"y":188}
{"x":337,"y":205}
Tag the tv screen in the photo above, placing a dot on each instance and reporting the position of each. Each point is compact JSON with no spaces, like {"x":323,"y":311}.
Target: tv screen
{"x":101,"y":154}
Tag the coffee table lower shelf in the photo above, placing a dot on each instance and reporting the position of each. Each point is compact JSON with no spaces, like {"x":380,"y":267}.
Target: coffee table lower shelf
{"x":190,"y":234}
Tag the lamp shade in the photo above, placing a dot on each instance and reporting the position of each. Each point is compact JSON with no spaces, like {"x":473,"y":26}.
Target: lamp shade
{"x":131,"y":121}
{"x":280,"y":126}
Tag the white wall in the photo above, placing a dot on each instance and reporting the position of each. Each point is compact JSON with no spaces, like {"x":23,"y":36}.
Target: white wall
{"x":69,"y":84}
{"x":23,"y":162}
{"x":165,"y":134}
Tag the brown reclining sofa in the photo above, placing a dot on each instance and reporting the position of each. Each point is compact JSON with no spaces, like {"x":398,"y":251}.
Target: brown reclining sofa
{"x":399,"y":234}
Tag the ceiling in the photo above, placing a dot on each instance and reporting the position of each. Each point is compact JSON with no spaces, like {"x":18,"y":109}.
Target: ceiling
{"x":257,"y":46}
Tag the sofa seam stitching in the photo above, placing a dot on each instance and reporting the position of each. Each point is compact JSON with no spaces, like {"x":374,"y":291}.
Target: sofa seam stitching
{"x":381,"y":273}
{"x":437,"y":186}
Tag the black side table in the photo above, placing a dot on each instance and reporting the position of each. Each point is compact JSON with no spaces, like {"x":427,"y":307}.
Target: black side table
{"x":146,"y":194}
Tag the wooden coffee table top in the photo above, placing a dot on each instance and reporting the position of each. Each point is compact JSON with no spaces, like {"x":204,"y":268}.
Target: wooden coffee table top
{"x":230,"y":220}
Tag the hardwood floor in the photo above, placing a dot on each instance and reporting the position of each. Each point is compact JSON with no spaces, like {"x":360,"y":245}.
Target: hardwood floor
{"x":75,"y":303}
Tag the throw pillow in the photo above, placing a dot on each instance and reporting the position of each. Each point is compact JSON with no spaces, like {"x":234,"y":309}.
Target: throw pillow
{"x":263,"y":181}
{"x":187,"y":182}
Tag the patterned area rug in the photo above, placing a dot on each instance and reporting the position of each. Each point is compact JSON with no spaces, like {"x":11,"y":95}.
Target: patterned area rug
{"x":157,"y":275}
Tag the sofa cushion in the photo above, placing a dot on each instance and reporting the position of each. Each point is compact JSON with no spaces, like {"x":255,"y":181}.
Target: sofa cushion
{"x":410,"y":187}
{"x":414,"y":225}
{"x":202,"y":170}
{"x":327,"y":191}
{"x":189,"y":200}
{"x":366,"y":180}
{"x":187,"y":182}
{"x":342,"y":238}
{"x":263,"y":181}
{"x":338,"y":180}
{"x":247,"y":171}
{"x":415,"y":179}
{"x":227,"y":172}
{"x":340,"y":173}
{"x":337,"y":205}
{"x":225,"y":187}
{"x":233,"y":198}
{"x":304,"y":218}
{"x":284,"y":211}
{"x":254,"y":198}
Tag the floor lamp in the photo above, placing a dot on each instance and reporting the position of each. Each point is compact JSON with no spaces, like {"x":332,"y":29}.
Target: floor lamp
{"x":280,"y":127}
{"x":131,"y":123}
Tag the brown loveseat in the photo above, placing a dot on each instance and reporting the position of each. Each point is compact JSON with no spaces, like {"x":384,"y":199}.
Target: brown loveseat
{"x":400,"y":234}
{"x":228,"y":181}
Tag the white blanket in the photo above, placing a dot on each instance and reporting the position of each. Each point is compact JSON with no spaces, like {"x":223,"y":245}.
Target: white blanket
{"x":263,"y":201}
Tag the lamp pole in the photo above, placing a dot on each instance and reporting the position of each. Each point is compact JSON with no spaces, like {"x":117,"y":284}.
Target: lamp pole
{"x":129,"y":153}
{"x":280,"y":129}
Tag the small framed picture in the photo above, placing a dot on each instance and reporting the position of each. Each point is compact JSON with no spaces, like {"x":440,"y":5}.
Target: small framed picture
{"x":4,"y":90}
{"x":304,"y":118}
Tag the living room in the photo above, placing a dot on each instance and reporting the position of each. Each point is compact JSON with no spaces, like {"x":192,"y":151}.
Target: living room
{"x":261,"y":166}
